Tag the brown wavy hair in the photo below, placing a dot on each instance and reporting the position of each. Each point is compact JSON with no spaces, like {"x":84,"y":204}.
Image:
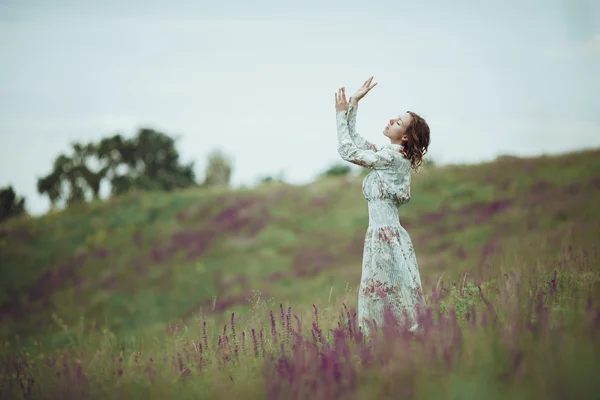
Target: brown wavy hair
{"x":418,"y":140}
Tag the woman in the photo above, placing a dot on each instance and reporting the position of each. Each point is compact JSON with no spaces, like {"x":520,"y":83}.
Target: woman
{"x":390,"y":274}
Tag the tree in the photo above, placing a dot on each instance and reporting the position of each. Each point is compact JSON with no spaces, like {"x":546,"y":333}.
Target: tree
{"x":10,"y":204}
{"x":218,"y":171}
{"x":72,"y":178}
{"x":337,"y":170}
{"x":148,"y":161}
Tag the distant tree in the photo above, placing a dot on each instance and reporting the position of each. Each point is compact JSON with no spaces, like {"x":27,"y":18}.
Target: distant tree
{"x":337,"y":170}
{"x":86,"y":177}
{"x":148,"y":161}
{"x":72,"y":179}
{"x":218,"y":170}
{"x":275,"y":178}
{"x":268,"y":179}
{"x":10,"y":204}
{"x":52,"y":185}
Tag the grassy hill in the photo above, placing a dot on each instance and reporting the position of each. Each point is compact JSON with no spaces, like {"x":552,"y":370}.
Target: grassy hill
{"x":146,"y":259}
{"x":138,"y":262}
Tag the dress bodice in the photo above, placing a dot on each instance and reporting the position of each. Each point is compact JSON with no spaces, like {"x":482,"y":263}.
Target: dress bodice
{"x":378,"y":185}
{"x":387,"y":186}
{"x":383,"y":207}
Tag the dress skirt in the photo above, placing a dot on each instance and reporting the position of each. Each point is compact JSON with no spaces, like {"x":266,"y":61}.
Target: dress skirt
{"x":390,"y":273}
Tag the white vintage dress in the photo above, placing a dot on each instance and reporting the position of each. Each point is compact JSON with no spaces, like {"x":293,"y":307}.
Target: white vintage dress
{"x":389,"y":266}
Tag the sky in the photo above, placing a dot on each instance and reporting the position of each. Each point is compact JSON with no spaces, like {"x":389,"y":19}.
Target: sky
{"x":257,"y":79}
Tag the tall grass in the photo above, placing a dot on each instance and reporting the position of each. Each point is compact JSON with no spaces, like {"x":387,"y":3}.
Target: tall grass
{"x":532,"y":332}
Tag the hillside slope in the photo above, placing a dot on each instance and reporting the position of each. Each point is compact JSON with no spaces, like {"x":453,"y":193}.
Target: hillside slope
{"x":141,"y":260}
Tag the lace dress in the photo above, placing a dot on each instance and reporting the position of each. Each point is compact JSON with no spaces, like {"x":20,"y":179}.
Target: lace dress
{"x":390,"y":274}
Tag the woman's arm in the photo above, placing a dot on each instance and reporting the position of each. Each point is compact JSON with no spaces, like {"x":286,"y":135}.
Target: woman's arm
{"x":350,"y":152}
{"x":358,"y":140}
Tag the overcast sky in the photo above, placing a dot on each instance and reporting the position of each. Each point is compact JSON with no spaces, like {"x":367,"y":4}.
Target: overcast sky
{"x":257,"y":79}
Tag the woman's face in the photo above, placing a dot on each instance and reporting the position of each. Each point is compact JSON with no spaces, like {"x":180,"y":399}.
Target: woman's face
{"x":396,"y":128}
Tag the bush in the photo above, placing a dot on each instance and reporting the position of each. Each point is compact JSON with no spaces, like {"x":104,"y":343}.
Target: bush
{"x":337,"y":170}
{"x":10,"y":204}
{"x":218,"y":171}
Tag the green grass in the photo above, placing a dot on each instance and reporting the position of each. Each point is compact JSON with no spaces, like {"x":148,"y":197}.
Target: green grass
{"x":101,"y":274}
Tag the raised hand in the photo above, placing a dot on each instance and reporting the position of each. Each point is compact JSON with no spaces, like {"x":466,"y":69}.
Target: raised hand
{"x":363,"y":90}
{"x":341,"y":104}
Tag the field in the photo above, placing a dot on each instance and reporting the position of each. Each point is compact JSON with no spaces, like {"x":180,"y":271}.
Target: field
{"x":216,"y":294}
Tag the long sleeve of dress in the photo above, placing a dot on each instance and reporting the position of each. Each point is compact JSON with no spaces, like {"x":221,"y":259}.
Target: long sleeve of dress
{"x":350,"y":152}
{"x":358,"y":140}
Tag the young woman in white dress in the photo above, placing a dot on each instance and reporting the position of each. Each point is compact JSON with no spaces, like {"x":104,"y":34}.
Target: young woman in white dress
{"x":390,"y":274}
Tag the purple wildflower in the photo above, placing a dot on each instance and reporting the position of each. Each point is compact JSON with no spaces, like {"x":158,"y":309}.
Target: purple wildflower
{"x":254,"y":343}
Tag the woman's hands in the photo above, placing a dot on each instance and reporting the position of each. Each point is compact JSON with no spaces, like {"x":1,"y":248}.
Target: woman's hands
{"x":363,"y":90}
{"x":341,"y":104}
